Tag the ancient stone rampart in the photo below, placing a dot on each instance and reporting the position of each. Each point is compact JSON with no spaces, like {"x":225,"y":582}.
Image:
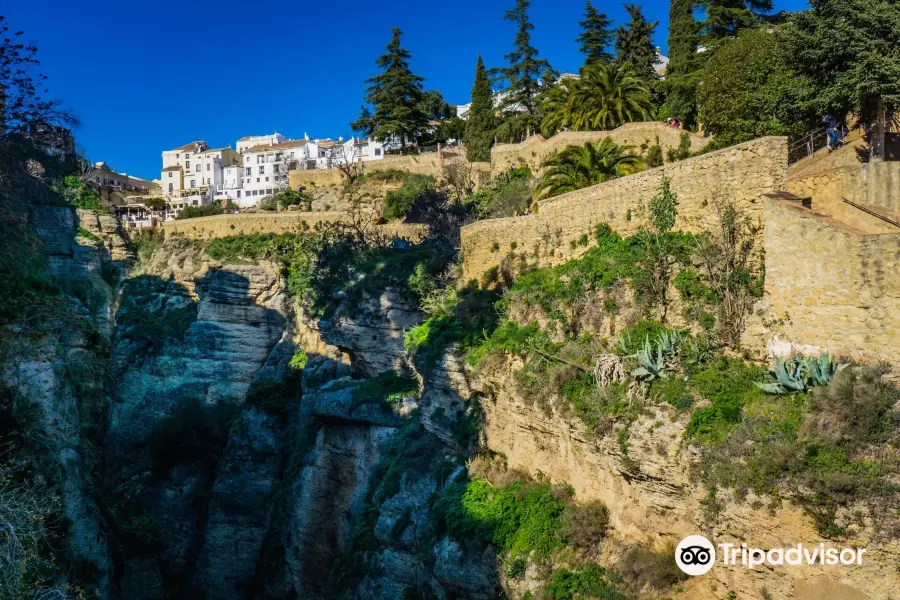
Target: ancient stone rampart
{"x":835,"y":287}
{"x":205,"y":228}
{"x":536,"y":149}
{"x":554,"y":234}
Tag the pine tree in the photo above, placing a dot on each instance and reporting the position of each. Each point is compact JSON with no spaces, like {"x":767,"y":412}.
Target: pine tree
{"x":634,"y":43}
{"x":480,"y":126}
{"x":596,"y":36}
{"x":526,"y":72}
{"x":396,"y":96}
{"x":724,"y":18}
{"x":681,"y":71}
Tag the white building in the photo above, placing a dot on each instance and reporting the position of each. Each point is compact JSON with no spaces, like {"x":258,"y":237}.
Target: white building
{"x":360,"y":150}
{"x":265,"y":168}
{"x":195,"y":168}
{"x":245,"y":143}
{"x":232,"y":184}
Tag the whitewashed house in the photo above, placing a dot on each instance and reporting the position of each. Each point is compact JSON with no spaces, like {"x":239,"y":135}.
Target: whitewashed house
{"x":265,"y":168}
{"x":245,"y":143}
{"x":360,"y":150}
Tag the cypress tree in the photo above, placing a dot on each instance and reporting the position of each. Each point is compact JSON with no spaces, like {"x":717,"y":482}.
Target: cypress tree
{"x":526,"y":71}
{"x":634,"y":43}
{"x":480,"y":126}
{"x":596,"y":36}
{"x":396,"y":96}
{"x":681,"y":71}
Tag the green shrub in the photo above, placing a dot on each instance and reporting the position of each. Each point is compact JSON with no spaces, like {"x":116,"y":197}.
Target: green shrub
{"x":521,"y":519}
{"x":505,"y":195}
{"x":192,"y":212}
{"x":728,"y":384}
{"x":386,"y":389}
{"x":240,"y":249}
{"x":656,"y":568}
{"x":299,"y":360}
{"x":589,"y":581}
{"x":80,"y":193}
{"x":146,"y":242}
{"x":399,"y":203}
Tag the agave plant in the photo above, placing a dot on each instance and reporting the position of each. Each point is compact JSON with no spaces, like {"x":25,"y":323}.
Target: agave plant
{"x":668,"y":342}
{"x":652,"y":361}
{"x":797,"y":375}
{"x":697,"y":355}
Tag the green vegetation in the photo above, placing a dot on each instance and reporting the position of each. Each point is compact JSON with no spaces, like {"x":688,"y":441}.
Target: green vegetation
{"x":286,"y":198}
{"x":506,"y":194}
{"x":396,"y":97}
{"x":603,"y":98}
{"x":152,"y":313}
{"x":274,"y":396}
{"x":386,"y":389}
{"x":589,"y":581}
{"x":80,"y":193}
{"x":192,"y":212}
{"x":634,"y":44}
{"x":750,"y":89}
{"x":84,"y":233}
{"x":417,"y":189}
{"x":582,"y":166}
{"x":525,"y":76}
{"x":596,"y":37}
{"x":479,"y":136}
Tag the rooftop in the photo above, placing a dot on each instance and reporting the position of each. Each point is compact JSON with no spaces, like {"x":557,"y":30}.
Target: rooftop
{"x":279,"y":146}
{"x":175,"y":168}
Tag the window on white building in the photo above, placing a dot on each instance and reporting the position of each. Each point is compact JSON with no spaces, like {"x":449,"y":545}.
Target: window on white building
{"x":262,"y":170}
{"x":257,"y":180}
{"x":187,"y":166}
{"x":193,"y":183}
{"x":170,"y":174}
{"x":171,"y":187}
{"x":197,"y":170}
{"x":267,"y":179}
{"x":377,"y":151}
{"x":260,"y":159}
{"x":248,"y":159}
{"x":268,"y":191}
{"x":249,"y":171}
{"x":208,"y":166}
{"x":239,"y":193}
{"x":187,"y":154}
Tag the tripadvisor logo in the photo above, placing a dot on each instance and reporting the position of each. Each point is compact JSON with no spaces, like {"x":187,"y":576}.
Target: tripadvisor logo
{"x":696,"y":555}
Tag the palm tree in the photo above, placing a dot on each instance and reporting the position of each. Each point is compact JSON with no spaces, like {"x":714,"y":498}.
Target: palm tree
{"x":607,"y":96}
{"x":555,"y":107}
{"x":580,"y":166}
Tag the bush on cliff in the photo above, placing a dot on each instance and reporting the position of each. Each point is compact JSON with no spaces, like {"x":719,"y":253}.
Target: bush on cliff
{"x":192,"y":212}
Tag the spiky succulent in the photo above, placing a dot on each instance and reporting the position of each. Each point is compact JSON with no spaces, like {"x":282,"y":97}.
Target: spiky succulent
{"x":652,"y":361}
{"x":801,"y":373}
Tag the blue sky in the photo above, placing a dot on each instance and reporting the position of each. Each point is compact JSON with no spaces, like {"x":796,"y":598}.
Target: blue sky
{"x":144,"y":76}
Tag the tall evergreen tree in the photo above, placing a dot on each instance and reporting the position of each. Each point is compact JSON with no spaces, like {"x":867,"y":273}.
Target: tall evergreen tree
{"x":634,"y":43}
{"x":681,"y":71}
{"x":396,"y":96}
{"x":850,"y":49}
{"x":724,"y":18}
{"x":480,"y":126}
{"x":596,"y":36}
{"x":526,"y":72}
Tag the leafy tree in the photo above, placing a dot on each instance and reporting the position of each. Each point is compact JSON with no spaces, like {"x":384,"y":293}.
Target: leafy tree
{"x":581,"y":166}
{"x":435,"y":107}
{"x":480,"y":127}
{"x":596,"y":36}
{"x":748,"y":90}
{"x":634,"y":43}
{"x":396,"y":95}
{"x":850,"y":49}
{"x":725,"y":18}
{"x":681,"y":71}
{"x":607,"y":96}
{"x":525,"y":75}
{"x":453,"y":128}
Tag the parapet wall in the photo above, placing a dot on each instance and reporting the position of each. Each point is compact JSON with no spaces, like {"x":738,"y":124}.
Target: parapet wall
{"x":536,"y":149}
{"x":836,"y":287}
{"x":206,"y":228}
{"x":741,"y":174}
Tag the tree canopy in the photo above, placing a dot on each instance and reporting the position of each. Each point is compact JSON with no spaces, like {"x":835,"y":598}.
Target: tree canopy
{"x":525,"y":75}
{"x":480,"y":127}
{"x":681,"y":80}
{"x":596,"y":36}
{"x":580,"y":166}
{"x":725,"y":18}
{"x":850,"y":50}
{"x":396,"y":96}
{"x":634,"y":43}
{"x":747,"y":89}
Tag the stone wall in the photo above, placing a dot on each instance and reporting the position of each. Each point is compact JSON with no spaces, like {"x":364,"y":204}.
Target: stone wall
{"x":740,"y":174}
{"x":205,"y":228}
{"x":435,"y":164}
{"x":873,"y":184}
{"x":533,"y":151}
{"x":835,"y":286}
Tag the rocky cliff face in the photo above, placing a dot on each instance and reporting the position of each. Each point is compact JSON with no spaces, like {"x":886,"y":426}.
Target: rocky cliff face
{"x":654,"y":500}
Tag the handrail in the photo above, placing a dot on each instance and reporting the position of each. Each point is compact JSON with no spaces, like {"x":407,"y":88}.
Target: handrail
{"x":872,"y":212}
